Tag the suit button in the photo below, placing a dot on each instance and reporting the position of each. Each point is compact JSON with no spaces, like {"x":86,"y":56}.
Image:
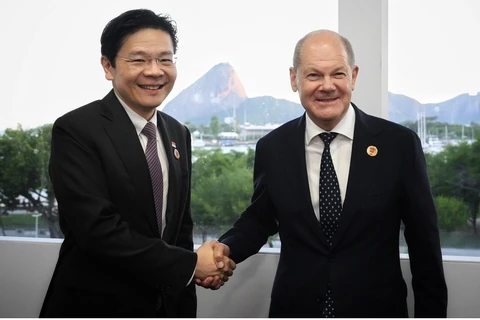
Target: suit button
{"x":331,"y":258}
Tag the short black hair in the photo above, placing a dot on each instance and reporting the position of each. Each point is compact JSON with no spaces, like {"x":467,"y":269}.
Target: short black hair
{"x":118,"y":29}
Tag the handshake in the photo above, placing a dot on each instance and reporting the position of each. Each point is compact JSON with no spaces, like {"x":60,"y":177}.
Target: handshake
{"x":214,"y":267}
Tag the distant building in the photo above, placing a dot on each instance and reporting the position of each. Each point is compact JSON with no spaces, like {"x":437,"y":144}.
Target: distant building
{"x":255,"y":132}
{"x":228,"y":136}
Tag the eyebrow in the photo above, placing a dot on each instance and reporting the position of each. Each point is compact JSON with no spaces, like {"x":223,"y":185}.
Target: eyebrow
{"x":315,"y":69}
{"x":143,"y":53}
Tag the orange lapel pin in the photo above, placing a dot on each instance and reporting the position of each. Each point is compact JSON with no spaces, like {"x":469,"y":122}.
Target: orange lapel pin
{"x":372,"y":151}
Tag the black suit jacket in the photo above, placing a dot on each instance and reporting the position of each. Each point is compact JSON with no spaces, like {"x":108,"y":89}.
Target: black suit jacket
{"x":113,"y":262}
{"x":363,"y":265}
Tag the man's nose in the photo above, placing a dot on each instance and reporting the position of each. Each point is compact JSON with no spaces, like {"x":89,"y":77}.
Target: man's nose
{"x":328,"y":84}
{"x":153,"y":68}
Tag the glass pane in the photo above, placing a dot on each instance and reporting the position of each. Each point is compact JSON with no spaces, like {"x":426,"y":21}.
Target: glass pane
{"x":434,"y":90}
{"x":232,"y":88}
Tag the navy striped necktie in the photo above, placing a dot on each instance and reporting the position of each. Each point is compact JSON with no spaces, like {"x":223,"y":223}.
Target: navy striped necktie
{"x":155,"y":169}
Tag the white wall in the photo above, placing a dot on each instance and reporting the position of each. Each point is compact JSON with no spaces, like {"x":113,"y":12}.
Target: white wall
{"x":26,"y":268}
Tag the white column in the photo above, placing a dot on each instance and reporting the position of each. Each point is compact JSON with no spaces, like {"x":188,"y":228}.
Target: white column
{"x":365,"y":24}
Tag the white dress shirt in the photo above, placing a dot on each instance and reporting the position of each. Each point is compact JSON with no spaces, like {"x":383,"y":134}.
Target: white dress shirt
{"x":139,"y":123}
{"x":340,"y":149}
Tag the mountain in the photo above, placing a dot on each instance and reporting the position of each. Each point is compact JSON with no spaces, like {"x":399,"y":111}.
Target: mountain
{"x":462,"y":109}
{"x":215,"y":94}
{"x":402,"y":108}
{"x":267,"y":109}
{"x":220,"y":93}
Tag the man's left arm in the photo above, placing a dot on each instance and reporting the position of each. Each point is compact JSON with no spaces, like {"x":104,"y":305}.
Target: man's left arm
{"x":422,"y":235}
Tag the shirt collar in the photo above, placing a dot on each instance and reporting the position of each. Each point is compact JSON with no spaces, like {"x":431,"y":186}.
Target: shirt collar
{"x":345,"y":127}
{"x":138,"y":121}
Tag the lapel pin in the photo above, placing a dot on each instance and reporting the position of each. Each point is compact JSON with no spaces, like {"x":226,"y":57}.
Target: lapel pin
{"x":176,"y":153}
{"x":372,"y":151}
{"x":175,"y":150}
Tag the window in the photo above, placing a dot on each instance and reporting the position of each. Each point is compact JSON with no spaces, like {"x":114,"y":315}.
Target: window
{"x":434,"y":90}
{"x":233,"y":60}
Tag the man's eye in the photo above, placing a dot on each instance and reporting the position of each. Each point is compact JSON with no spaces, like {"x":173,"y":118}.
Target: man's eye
{"x":138,"y":60}
{"x":313,"y":76}
{"x":165,"y":61}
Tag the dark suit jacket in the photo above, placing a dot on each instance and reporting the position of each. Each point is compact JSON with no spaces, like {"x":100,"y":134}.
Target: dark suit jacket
{"x":363,"y":265}
{"x":112,"y":262}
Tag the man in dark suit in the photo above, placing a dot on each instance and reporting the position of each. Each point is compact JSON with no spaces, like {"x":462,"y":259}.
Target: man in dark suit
{"x":336,"y":184}
{"x":121,"y":174}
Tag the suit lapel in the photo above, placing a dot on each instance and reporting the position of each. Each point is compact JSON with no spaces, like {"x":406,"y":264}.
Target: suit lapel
{"x":362,"y":168}
{"x":299,"y":178}
{"x":169,"y":142}
{"x":124,"y":138}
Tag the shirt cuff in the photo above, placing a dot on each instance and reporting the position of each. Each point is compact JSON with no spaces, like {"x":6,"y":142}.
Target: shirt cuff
{"x":191,"y":278}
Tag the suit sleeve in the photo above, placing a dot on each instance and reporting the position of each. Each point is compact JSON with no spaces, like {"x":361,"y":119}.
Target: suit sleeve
{"x":187,"y":302}
{"x":92,"y":221}
{"x":422,"y":236}
{"x":252,"y":229}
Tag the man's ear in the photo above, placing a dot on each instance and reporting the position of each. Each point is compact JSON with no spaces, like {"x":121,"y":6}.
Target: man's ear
{"x":107,"y":67}
{"x":293,"y":79}
{"x":354,"y":76}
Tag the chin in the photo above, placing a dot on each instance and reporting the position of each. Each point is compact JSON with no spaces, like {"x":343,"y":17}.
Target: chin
{"x":326,"y":116}
{"x":153,"y":103}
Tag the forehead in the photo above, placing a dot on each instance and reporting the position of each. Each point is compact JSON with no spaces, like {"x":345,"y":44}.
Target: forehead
{"x":149,"y":41}
{"x":320,"y":50}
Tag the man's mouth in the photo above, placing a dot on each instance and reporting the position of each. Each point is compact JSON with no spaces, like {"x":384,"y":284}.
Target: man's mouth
{"x":327,"y":99}
{"x":150,"y":87}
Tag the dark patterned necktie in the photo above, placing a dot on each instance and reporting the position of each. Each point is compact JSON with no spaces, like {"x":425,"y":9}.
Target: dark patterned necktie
{"x":155,"y":169}
{"x":330,"y":206}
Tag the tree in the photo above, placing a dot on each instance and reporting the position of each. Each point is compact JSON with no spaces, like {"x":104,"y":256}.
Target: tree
{"x":413,"y":125}
{"x":221,"y":188}
{"x":452,"y":213}
{"x":455,"y":172}
{"x":410,"y":124}
{"x":226,"y":127}
{"x":215,"y":126}
{"x":24,"y":180}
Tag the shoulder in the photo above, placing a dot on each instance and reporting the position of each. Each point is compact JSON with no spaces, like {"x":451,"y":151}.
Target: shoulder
{"x":81,"y":125}
{"x":400,"y":139}
{"x":377,"y":125}
{"x":81,"y":116}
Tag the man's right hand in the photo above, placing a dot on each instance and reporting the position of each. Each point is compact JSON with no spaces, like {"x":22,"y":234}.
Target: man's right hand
{"x":210,"y":278}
